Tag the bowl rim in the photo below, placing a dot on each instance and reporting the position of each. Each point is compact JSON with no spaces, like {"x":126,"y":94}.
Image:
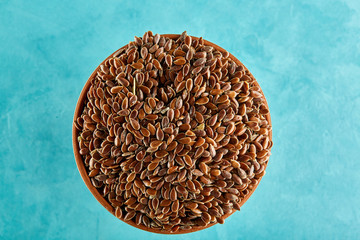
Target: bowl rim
{"x":83,"y":172}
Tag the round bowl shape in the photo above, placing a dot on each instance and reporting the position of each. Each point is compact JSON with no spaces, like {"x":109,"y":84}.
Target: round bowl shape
{"x":83,"y":171}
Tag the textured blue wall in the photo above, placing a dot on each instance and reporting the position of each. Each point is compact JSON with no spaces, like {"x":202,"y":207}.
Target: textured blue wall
{"x":305,"y":55}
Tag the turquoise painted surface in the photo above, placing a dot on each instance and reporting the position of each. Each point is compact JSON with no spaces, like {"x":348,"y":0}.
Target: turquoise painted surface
{"x":305,"y":55}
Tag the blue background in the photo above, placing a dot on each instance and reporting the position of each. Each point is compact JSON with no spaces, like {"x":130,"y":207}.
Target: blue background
{"x":304,"y":54}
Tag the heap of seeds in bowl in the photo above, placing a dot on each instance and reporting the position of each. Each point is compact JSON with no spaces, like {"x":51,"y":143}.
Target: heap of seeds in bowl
{"x":173,"y":133}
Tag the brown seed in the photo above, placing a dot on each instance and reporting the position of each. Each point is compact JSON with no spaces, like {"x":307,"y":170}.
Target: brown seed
{"x":100,"y":92}
{"x":172,"y":169}
{"x":185,"y":140}
{"x":93,"y":172}
{"x":145,"y":90}
{"x":180,"y":87}
{"x":197,"y":172}
{"x":152,"y":166}
{"x":152,"y":103}
{"x":230,"y":128}
{"x":144,"y":52}
{"x":135,"y":124}
{"x":237,"y":179}
{"x":180,"y":61}
{"x":206,"y":217}
{"x":212,"y":120}
{"x":140,"y":155}
{"x":145,"y":132}
{"x":199,"y":142}
{"x":190,"y":54}
{"x":190,"y":133}
{"x":138,"y":220}
{"x":171,"y":146}
{"x":151,"y":129}
{"x":196,"y":211}
{"x":128,"y":139}
{"x":170,"y":114}
{"x":220,"y":220}
{"x":159,"y":134}
{"x":215,"y":172}
{"x":156,"y":143}
{"x":199,"y":152}
{"x":84,"y":151}
{"x":212,"y":150}
{"x":132,"y":100}
{"x":157,"y":64}
{"x":199,"y":117}
{"x":191,"y":205}
{"x":123,"y":81}
{"x":168,"y":130}
{"x":205,"y":180}
{"x":187,"y":160}
{"x":175,"y":206}
{"x":107,"y":109}
{"x":210,"y":141}
{"x":137,"y":65}
{"x":175,"y":228}
{"x":262,"y":153}
{"x":226,"y":174}
{"x":147,"y":109}
{"x":216,"y":91}
{"x":235,"y":164}
{"x":231,"y":197}
{"x":116,"y":89}
{"x":118,"y":212}
{"x":190,"y":185}
{"x":151,"y":117}
{"x":184,"y":127}
{"x":129,"y":216}
{"x":154,"y":48}
{"x":200,"y":55}
{"x":202,"y":101}
{"x":170,"y":178}
{"x":188,"y":40}
{"x":124,"y":112}
{"x":151,"y":192}
{"x":161,"y":154}
{"x":222,"y":99}
{"x":165,"y":203}
{"x":199,"y":62}
{"x":214,"y":212}
{"x":255,"y":94}
{"x":130,"y":201}
{"x":168,"y":60}
{"x":173,"y":194}
{"x":236,"y":206}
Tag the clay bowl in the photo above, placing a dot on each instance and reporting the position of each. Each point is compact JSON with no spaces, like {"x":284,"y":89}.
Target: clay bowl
{"x":83,"y":171}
